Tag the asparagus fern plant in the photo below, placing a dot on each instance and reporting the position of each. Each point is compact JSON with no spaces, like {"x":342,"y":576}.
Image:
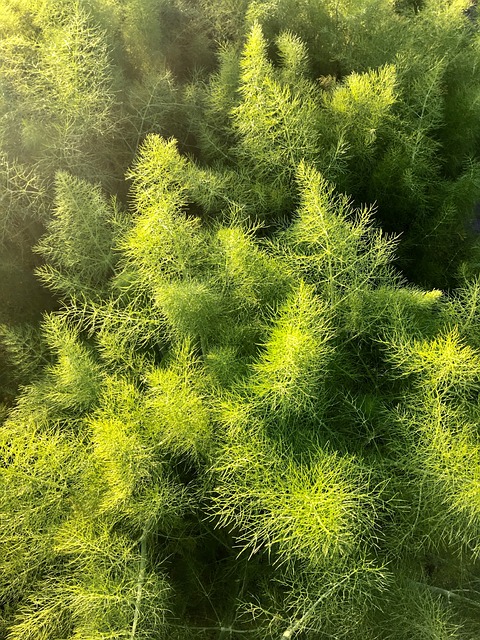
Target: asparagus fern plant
{"x":245,"y":420}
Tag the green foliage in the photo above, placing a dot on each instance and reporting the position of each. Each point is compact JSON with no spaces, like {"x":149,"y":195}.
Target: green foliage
{"x":176,"y":400}
{"x":244,"y":420}
{"x":209,"y":106}
{"x":336,"y":32}
{"x":332,"y":247}
{"x":442,"y":441}
{"x":22,"y":202}
{"x":174,"y":32}
{"x":245,"y":413}
{"x":61,"y":99}
{"x":78,"y":245}
{"x":359,"y":112}
{"x":310,"y":511}
{"x":296,"y":354}
{"x":23,"y":356}
{"x":152,"y":107}
{"x":276,"y":123}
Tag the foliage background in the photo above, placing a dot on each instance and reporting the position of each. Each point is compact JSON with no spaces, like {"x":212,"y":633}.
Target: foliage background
{"x":250,"y":407}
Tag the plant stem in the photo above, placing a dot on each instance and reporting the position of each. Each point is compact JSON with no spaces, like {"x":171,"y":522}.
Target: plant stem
{"x":140,"y":582}
{"x":221,"y":629}
{"x":448,"y":594}
{"x":293,"y":628}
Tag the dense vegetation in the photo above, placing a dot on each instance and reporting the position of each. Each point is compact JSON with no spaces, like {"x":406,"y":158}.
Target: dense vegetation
{"x":251,"y":407}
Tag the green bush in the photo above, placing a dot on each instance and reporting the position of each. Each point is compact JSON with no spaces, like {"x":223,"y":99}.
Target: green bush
{"x":245,"y":419}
